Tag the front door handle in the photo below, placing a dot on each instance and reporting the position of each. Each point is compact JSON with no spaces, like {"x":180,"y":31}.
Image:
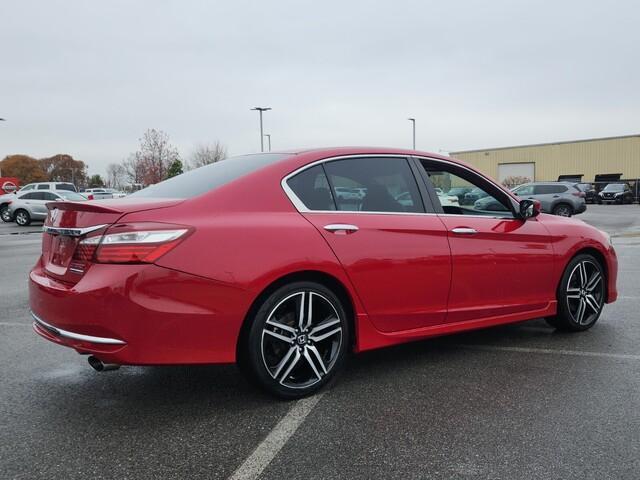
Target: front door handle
{"x":341,"y":228}
{"x":464,"y":231}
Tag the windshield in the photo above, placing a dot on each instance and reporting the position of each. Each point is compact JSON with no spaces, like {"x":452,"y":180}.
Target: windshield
{"x":614,"y":187}
{"x":209,"y":177}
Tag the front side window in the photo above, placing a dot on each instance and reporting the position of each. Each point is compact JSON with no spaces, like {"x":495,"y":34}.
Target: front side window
{"x":374,"y":185}
{"x":481,"y":197}
{"x":50,"y":196}
{"x":523,"y":190}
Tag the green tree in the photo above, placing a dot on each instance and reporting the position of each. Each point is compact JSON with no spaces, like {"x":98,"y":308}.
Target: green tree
{"x":175,"y":168}
{"x":95,"y":181}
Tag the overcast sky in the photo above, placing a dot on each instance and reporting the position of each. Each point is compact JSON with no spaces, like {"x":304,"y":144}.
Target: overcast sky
{"x":88,"y":78}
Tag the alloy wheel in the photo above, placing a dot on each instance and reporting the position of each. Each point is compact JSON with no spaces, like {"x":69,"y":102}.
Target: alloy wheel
{"x":563,"y":211}
{"x":585,"y":292}
{"x":5,"y":214}
{"x":21,"y":218}
{"x":301,"y":339}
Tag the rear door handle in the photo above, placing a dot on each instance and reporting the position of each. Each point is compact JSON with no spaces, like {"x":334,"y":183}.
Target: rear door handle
{"x":464,"y":231}
{"x":343,"y":228}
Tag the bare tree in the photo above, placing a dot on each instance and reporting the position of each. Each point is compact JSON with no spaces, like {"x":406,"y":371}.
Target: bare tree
{"x":153,"y":158}
{"x":134,"y":168}
{"x":205,"y":154}
{"x":116,"y":175}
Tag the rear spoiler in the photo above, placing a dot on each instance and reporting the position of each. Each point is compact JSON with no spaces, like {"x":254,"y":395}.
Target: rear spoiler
{"x":82,"y":207}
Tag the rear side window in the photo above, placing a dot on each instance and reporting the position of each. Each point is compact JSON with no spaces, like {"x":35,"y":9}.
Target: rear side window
{"x":374,"y":185}
{"x":203,"y":179}
{"x":33,"y":196}
{"x":65,"y":186}
{"x":547,"y":189}
{"x":312,"y":188}
{"x":43,"y":187}
{"x":72,"y":196}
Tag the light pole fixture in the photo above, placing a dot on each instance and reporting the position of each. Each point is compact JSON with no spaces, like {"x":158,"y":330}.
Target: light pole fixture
{"x":260,"y":110}
{"x":268,"y":135}
{"x":413,"y":121}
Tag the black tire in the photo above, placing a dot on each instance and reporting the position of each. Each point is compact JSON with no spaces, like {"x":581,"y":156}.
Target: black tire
{"x":5,"y":215}
{"x":581,"y":295}
{"x":298,"y":362}
{"x":22,"y":218}
{"x":563,"y":210}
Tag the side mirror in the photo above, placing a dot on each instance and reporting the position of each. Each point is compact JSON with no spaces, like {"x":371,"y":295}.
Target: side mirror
{"x":529,"y":208}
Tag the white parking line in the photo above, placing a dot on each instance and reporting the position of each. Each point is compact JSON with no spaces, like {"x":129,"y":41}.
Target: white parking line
{"x":255,"y":464}
{"x":549,"y":351}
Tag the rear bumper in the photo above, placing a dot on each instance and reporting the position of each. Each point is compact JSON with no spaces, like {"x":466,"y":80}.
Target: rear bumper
{"x":581,"y":208}
{"x":140,"y":315}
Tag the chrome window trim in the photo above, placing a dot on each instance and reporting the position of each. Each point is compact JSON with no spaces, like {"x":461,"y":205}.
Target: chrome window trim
{"x":75,"y":336}
{"x":72,"y":232}
{"x":297,"y":203}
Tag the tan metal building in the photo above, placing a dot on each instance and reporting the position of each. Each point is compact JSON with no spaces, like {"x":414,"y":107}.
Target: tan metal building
{"x":548,"y":161}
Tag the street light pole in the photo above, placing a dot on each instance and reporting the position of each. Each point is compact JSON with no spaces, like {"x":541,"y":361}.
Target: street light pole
{"x":268,"y":135}
{"x":413,"y":121}
{"x":260,"y":110}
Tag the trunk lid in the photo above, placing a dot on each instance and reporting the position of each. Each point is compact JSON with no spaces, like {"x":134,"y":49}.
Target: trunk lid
{"x":68,"y":223}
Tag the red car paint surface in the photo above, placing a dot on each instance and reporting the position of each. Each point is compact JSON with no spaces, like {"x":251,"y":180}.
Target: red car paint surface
{"x":405,"y":277}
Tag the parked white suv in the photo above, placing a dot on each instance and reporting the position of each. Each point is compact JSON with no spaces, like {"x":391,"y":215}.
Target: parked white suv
{"x":70,"y":187}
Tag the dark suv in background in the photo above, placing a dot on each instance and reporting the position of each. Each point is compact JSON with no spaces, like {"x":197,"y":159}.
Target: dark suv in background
{"x":616,"y":193}
{"x":590,"y":192}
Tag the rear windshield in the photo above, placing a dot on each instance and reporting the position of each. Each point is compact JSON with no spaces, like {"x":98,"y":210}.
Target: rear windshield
{"x":201,"y":180}
{"x":65,"y":186}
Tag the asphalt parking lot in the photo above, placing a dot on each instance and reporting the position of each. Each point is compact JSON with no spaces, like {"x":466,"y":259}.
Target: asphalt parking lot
{"x":514,"y":402}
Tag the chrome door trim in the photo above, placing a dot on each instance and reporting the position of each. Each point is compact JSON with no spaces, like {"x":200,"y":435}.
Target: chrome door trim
{"x":297,"y":203}
{"x":72,"y":232}
{"x":74,"y":336}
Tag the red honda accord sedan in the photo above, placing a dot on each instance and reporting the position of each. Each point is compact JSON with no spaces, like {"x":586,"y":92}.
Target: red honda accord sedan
{"x":285,"y":262}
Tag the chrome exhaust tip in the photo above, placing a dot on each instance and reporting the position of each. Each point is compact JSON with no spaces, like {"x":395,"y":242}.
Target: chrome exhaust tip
{"x":98,"y":366}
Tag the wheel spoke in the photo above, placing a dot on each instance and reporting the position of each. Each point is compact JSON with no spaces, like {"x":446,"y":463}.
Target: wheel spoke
{"x":574,"y":296}
{"x":319,"y":338}
{"x":296,"y":358}
{"x":309,"y":312}
{"x":282,"y":326}
{"x":592,"y":302}
{"x":284,"y":361}
{"x":580,"y":312}
{"x":326,"y":324}
{"x":315,"y":351}
{"x":583,"y":274}
{"x":279,"y":337}
{"x":311,"y":364}
{"x":301,"y":319}
{"x":594,"y":281}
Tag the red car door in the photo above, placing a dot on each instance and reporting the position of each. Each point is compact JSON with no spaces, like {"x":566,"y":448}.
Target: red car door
{"x":371,"y":213}
{"x":501,"y":265}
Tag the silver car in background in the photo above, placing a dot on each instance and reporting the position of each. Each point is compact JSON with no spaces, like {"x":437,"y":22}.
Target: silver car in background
{"x":31,"y":206}
{"x":559,"y":198}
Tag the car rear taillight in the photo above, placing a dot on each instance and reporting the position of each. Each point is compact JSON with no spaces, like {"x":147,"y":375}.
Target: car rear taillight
{"x":579,"y":194}
{"x":143,"y":246}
